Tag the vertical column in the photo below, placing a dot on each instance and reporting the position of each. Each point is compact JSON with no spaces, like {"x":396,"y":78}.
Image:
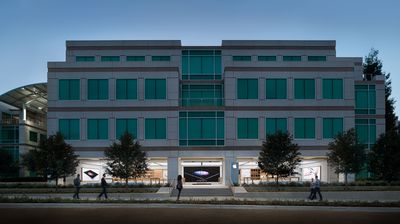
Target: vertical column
{"x":229,"y":160}
{"x":172,"y":169}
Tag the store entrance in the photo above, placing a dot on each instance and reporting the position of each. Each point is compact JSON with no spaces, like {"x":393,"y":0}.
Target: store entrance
{"x":202,"y":172}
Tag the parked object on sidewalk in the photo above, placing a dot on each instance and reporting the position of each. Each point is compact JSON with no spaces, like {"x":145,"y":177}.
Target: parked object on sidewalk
{"x":104,"y":187}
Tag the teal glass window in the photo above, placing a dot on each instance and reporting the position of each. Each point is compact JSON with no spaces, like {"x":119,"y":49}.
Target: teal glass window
{"x":126,"y":89}
{"x":84,"y":58}
{"x":365,"y":99}
{"x":241,"y":58}
{"x":366,"y":131}
{"x":247,"y":128}
{"x":316,"y":58}
{"x":332,"y":88}
{"x":126,"y":125}
{"x":202,"y":95}
{"x":161,"y":58}
{"x":155,"y":128}
{"x":266,"y":58}
{"x":201,"y":64}
{"x":201,"y":128}
{"x":291,"y":58}
{"x":110,"y":58}
{"x":98,"y":89}
{"x":135,"y":58}
{"x":33,"y":136}
{"x":68,"y":89}
{"x":69,"y":128}
{"x":275,"y":88}
{"x":97,"y":129}
{"x":247,"y":88}
{"x":332,"y":127}
{"x":304,"y":128}
{"x":155,"y":89}
{"x":304,"y":89}
{"x":272,"y":125}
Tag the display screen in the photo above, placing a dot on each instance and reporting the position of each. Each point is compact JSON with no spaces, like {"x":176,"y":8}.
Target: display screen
{"x":201,"y":174}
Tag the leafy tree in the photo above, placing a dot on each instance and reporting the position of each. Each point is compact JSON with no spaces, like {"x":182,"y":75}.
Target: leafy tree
{"x":346,"y":154}
{"x":53,"y":158}
{"x":384,"y":158}
{"x":372,"y":67}
{"x":279,"y":155}
{"x":125,"y":159}
{"x":8,"y":166}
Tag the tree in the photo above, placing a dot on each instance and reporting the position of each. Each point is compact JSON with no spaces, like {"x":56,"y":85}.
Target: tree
{"x":8,"y":166}
{"x":346,"y":154}
{"x":372,"y":67}
{"x":53,"y":158}
{"x":384,"y":158}
{"x":125,"y":159}
{"x":279,"y":155}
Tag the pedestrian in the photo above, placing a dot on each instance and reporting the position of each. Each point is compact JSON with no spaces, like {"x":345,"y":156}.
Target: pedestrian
{"x":103,"y":186}
{"x":179,"y":186}
{"x":77,"y":184}
{"x":312,"y":189}
{"x":317,"y":188}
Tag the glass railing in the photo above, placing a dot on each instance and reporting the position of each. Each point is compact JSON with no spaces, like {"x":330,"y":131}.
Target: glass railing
{"x":202,"y":102}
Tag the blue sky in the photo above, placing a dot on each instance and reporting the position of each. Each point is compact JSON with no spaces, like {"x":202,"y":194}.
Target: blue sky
{"x":34,"y":32}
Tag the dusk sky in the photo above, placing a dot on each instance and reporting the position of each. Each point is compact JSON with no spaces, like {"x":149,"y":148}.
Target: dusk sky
{"x":34,"y":32}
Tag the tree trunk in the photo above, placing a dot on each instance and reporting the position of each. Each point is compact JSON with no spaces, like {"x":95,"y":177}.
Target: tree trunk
{"x":56,"y":184}
{"x":277,"y":182}
{"x":345,"y":180}
{"x":126,"y":182}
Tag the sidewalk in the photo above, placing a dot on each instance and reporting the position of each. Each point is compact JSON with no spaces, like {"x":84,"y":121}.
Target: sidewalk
{"x":384,"y":196}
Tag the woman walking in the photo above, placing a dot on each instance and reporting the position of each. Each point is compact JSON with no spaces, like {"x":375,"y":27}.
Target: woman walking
{"x":179,"y":186}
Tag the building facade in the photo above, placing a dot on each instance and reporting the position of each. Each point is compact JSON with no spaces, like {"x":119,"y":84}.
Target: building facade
{"x":204,"y":111}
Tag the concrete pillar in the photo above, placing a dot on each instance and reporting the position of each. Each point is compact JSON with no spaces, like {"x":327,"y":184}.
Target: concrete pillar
{"x":229,"y":159}
{"x":173,"y":167}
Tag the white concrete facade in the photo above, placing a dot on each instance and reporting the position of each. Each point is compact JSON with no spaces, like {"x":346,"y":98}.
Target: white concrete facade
{"x":244,"y":151}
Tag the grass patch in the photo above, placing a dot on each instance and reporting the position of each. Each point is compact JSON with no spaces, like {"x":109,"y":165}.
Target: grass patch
{"x":72,"y":190}
{"x":270,"y":188}
{"x":212,"y":201}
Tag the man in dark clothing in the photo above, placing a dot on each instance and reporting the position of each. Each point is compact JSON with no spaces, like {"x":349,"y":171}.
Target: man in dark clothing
{"x":77,"y":184}
{"x":103,"y":186}
{"x":312,"y":189}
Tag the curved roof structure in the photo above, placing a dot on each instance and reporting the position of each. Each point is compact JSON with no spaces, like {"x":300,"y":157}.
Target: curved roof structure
{"x":33,"y":97}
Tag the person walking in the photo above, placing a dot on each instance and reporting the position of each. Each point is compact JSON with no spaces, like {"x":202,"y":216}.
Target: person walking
{"x":317,"y":188}
{"x":77,"y":184}
{"x":312,"y":189}
{"x":103,"y":186}
{"x":179,"y":186}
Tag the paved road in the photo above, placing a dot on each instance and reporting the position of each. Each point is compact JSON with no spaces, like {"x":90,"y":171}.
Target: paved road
{"x":161,"y":213}
{"x":330,"y":196}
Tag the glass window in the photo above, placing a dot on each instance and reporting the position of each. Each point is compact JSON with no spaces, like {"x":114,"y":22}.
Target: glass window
{"x":291,"y":58}
{"x":366,"y":131}
{"x":275,"y":88}
{"x":84,"y":58}
{"x":201,"y":64}
{"x":33,"y":136}
{"x":266,"y":58}
{"x":97,"y":129}
{"x":126,"y":125}
{"x":135,"y":58}
{"x":332,"y":88}
{"x":161,"y":58}
{"x":155,"y":89}
{"x":304,"y":89}
{"x":202,"y":95}
{"x":316,"y":58}
{"x":155,"y":128}
{"x":98,"y":89}
{"x":241,"y":58}
{"x":332,"y":127}
{"x":247,"y":128}
{"x":273,"y":125}
{"x":110,"y":58}
{"x":247,"y":89}
{"x":365,"y":99}
{"x":201,"y":128}
{"x":304,"y":128}
{"x":68,"y":89}
{"x":126,"y":89}
{"x":69,"y":128}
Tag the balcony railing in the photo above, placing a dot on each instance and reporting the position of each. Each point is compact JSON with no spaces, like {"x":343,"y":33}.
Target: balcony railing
{"x":202,"y":102}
